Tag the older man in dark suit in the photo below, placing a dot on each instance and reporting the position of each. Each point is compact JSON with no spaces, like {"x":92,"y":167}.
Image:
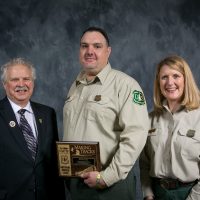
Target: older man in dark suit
{"x":28,"y":165}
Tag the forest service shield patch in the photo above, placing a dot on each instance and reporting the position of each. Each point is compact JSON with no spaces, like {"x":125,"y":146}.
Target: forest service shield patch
{"x":138,"y":97}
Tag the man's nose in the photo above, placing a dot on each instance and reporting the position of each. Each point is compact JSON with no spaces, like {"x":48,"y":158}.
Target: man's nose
{"x":90,"y":50}
{"x":21,"y":82}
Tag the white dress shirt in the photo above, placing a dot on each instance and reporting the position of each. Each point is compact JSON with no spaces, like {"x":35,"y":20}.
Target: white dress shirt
{"x":29,"y":115}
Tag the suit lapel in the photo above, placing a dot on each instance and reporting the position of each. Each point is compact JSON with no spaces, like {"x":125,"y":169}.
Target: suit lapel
{"x":8,"y":115}
{"x":39,"y":123}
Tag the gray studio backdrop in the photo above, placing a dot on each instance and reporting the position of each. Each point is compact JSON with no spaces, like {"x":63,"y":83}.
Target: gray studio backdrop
{"x":142,"y":32}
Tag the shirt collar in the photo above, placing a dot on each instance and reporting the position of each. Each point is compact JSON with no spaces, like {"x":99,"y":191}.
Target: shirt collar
{"x":101,"y":76}
{"x":165,"y":105}
{"x":16,"y":107}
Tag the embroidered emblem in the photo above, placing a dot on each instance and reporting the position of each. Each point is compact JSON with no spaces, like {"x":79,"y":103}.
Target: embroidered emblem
{"x":12,"y":124}
{"x":97,"y":98}
{"x":190,"y":133}
{"x":40,"y":120}
{"x":138,"y":97}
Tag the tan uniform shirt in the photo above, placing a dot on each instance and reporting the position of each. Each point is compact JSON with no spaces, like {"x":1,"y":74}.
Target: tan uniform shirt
{"x":111,"y":110}
{"x":172,"y":149}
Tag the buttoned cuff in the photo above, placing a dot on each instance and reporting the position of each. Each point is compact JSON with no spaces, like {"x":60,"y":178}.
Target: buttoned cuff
{"x":109,"y":177}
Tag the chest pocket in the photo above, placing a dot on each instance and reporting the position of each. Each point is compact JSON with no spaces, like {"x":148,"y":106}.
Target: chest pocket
{"x":98,"y":107}
{"x":154,"y":136}
{"x":189,"y":142}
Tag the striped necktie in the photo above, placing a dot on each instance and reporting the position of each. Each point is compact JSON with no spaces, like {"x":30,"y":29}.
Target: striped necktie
{"x":28,"y":133}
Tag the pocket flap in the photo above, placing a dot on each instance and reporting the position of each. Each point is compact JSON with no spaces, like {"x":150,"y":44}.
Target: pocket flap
{"x":191,"y":133}
{"x":98,"y":99}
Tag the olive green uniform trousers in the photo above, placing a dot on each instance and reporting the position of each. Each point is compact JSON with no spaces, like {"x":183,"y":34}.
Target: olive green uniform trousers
{"x":123,"y":190}
{"x":180,"y":193}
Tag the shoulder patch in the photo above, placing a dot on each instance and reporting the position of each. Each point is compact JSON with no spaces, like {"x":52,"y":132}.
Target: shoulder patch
{"x":138,"y":97}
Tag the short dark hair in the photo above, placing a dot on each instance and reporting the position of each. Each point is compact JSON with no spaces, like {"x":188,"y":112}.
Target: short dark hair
{"x":97,"y":29}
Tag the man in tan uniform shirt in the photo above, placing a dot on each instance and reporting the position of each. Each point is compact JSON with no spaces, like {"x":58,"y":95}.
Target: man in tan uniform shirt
{"x":107,"y":106}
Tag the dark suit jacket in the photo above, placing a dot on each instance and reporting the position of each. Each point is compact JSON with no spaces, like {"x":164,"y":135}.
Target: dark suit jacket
{"x":22,"y":178}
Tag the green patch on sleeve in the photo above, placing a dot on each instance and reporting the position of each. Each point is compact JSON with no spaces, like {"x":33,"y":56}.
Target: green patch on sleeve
{"x":138,"y":97}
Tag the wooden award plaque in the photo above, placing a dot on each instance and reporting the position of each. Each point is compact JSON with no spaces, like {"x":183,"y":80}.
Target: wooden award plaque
{"x":75,"y":158}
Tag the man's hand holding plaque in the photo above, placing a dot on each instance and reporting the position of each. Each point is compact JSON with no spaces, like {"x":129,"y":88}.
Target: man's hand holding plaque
{"x":93,"y":179}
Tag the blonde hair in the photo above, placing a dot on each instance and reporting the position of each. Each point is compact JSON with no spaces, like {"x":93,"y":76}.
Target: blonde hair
{"x":191,"y":95}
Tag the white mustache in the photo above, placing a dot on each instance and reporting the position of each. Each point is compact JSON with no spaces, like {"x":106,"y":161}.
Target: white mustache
{"x":21,"y":88}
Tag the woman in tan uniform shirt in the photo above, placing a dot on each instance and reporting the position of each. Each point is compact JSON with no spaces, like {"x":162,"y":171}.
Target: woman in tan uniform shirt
{"x":170,"y":161}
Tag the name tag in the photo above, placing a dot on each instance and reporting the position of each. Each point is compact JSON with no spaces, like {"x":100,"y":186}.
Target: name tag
{"x":152,"y":130}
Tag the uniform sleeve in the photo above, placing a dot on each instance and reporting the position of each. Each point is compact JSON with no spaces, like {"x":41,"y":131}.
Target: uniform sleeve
{"x":133,"y":122}
{"x":144,"y":172}
{"x":195,"y":192}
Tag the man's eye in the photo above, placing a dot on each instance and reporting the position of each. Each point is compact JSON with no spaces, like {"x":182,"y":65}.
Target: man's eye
{"x":27,"y":79}
{"x":14,"y":80}
{"x":83,"y":46}
{"x":97,"y":46}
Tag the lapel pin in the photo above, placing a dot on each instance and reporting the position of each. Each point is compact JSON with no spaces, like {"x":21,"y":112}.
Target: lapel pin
{"x":40,"y":120}
{"x":12,"y":124}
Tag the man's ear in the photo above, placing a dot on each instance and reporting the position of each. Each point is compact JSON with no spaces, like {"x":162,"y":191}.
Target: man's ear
{"x":4,"y":85}
{"x":109,"y":51}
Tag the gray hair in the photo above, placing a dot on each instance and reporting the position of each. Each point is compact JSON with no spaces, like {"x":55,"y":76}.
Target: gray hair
{"x":13,"y":62}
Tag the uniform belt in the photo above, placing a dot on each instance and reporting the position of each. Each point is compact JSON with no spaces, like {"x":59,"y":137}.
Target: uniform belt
{"x":171,"y":184}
